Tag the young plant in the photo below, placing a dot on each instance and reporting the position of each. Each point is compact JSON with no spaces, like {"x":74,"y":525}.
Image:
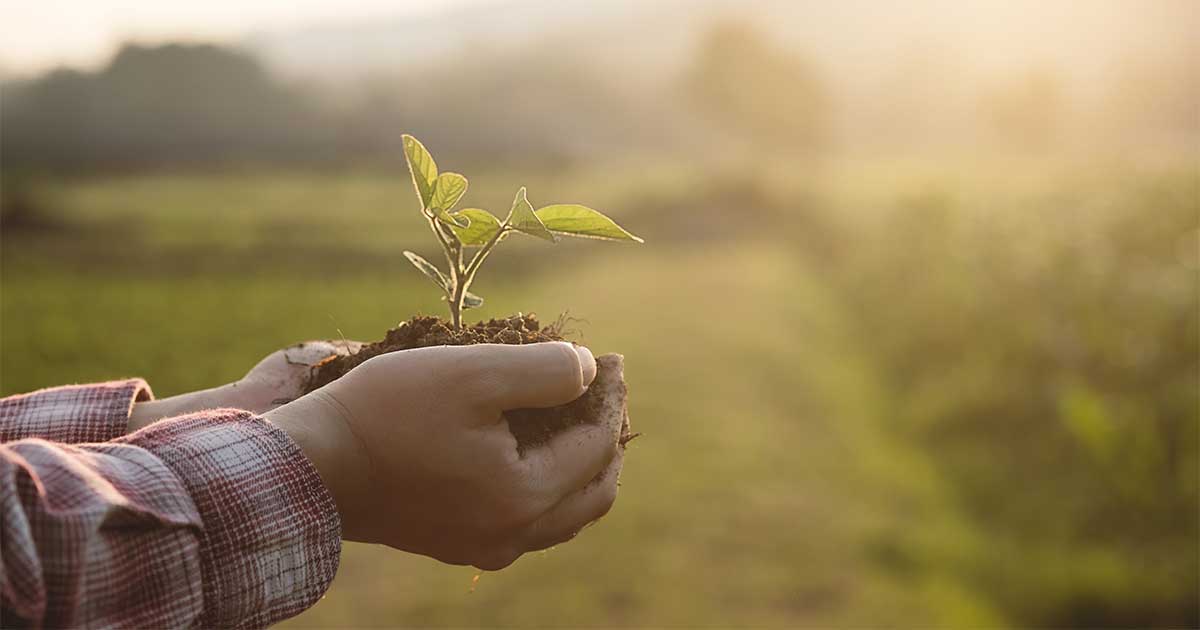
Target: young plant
{"x":478,"y":231}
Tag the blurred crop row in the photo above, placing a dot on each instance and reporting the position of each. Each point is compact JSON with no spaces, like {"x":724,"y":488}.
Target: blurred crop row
{"x":962,"y":396}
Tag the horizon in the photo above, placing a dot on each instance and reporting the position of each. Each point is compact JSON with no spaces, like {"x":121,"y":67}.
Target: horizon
{"x":56,"y":34}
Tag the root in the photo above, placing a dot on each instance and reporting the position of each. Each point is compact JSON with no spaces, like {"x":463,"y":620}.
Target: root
{"x":558,"y":327}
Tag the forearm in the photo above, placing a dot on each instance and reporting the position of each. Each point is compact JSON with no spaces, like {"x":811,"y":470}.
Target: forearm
{"x":232,"y":395}
{"x":213,"y":519}
{"x":280,"y":377}
{"x":100,"y":412}
{"x":148,"y":412}
{"x":110,"y":519}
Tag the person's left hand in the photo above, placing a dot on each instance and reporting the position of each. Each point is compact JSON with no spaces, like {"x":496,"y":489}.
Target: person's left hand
{"x":277,"y":379}
{"x":282,"y":375}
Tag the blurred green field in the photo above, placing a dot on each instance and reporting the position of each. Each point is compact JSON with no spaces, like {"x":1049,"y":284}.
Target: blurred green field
{"x":887,"y":394}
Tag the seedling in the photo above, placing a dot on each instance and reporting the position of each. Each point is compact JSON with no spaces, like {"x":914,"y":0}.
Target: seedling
{"x":467,"y":236}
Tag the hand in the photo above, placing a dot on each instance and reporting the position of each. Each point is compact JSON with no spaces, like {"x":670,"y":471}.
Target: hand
{"x":283,"y":375}
{"x":279,"y":378}
{"x":417,"y":455}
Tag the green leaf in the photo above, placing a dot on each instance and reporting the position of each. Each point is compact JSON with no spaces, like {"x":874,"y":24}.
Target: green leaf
{"x":482,"y":228}
{"x":523,"y":219}
{"x":453,"y":220}
{"x":470,"y":300}
{"x":581,"y":221}
{"x":449,"y":188}
{"x":430,"y":271}
{"x":423,"y":168}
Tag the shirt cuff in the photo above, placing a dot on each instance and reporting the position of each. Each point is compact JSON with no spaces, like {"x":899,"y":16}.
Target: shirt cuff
{"x":271,"y":535}
{"x":72,"y":414}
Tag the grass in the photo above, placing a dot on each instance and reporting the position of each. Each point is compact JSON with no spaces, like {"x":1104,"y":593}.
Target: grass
{"x":783,"y":478}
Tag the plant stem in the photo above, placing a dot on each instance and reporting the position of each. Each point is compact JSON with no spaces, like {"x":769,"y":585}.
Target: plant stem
{"x":452,"y":248}
{"x":461,"y":276}
{"x":464,"y":276}
{"x":459,"y":283}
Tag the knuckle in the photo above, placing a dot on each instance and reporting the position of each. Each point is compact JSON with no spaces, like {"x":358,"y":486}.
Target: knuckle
{"x":536,"y":494}
{"x":497,"y":559}
{"x":606,"y":498}
{"x":510,"y":477}
{"x":606,"y":506}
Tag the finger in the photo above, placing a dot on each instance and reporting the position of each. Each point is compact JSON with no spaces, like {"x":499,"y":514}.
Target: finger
{"x":564,"y":521}
{"x":309,"y":353}
{"x":570,"y":460}
{"x":281,"y":368}
{"x":283,"y":375}
{"x":545,"y":374}
{"x":497,"y":559}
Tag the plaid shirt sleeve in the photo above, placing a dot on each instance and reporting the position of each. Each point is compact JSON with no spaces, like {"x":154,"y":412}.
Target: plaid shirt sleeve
{"x":72,"y":414}
{"x":213,"y":519}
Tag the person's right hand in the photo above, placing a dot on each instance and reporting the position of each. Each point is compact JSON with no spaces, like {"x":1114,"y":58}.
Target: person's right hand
{"x":417,"y":455}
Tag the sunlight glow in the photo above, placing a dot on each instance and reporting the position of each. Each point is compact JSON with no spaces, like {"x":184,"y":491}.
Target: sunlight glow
{"x":40,"y":35}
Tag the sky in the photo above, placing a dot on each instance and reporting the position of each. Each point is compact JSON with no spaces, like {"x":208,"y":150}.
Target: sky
{"x":38,"y":35}
{"x":1080,"y":38}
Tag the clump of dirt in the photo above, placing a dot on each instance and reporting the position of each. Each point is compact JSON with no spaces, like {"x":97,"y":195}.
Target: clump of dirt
{"x":603,"y":402}
{"x":423,"y":331}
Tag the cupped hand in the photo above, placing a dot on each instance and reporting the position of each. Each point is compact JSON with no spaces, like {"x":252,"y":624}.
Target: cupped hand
{"x":280,"y":377}
{"x":283,"y":375}
{"x":415,"y":450}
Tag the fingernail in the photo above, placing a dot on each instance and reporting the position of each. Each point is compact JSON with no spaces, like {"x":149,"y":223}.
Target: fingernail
{"x":588,"y":363}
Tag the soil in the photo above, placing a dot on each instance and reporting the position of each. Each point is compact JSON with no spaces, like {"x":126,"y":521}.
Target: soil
{"x":604,"y":400}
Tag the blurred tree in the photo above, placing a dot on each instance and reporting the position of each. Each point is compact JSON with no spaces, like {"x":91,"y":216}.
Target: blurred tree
{"x":154,"y":105}
{"x":531,"y":103}
{"x":20,"y":207}
{"x":774,"y":99}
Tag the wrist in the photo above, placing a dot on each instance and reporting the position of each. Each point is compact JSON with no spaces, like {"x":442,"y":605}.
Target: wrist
{"x":318,"y":425}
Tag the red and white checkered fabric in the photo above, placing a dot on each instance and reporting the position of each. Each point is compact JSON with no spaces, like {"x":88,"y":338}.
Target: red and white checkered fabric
{"x":72,"y":413}
{"x":213,"y":519}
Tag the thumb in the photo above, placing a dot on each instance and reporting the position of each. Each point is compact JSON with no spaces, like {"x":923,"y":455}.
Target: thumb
{"x":534,"y":375}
